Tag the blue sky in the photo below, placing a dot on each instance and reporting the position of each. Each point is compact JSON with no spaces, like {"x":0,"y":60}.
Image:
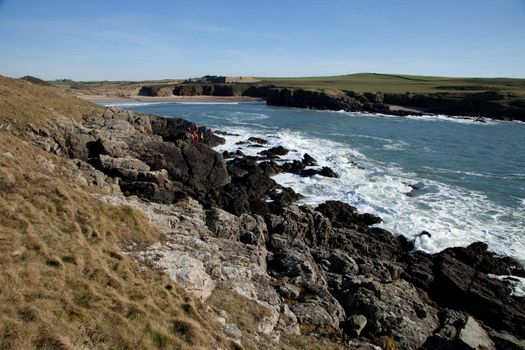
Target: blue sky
{"x":135,"y":40}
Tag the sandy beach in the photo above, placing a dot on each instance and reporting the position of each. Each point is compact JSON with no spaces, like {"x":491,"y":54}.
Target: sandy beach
{"x":137,"y":98}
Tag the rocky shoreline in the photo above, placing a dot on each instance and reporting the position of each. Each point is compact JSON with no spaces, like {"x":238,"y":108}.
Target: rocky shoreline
{"x":486,"y":104}
{"x":323,"y":271}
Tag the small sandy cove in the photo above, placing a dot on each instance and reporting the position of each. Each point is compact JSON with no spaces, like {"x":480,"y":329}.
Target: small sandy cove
{"x":111,"y":99}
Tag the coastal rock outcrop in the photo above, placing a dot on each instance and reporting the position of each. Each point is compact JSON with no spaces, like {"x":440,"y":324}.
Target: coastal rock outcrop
{"x":324,"y":271}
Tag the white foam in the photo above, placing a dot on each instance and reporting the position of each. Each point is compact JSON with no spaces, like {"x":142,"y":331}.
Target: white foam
{"x":205,"y":103}
{"x":431,"y":117}
{"x":396,"y":146}
{"x":130,"y":104}
{"x":454,"y":216}
{"x":517,"y":284}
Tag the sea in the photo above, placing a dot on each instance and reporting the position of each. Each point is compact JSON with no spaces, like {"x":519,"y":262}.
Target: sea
{"x":461,"y":180}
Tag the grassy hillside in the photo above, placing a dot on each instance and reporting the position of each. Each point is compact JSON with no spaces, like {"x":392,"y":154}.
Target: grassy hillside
{"x":22,"y":102}
{"x":64,"y":281}
{"x":371,"y":82}
{"x":107,"y":88}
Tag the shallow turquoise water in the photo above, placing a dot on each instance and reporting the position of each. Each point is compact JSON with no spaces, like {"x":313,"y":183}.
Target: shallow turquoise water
{"x":472,"y":174}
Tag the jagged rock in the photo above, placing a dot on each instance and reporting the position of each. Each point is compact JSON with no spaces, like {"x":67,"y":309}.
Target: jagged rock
{"x":360,"y":345}
{"x":239,"y":167}
{"x":324,"y":171}
{"x":303,"y":223}
{"x":289,"y":291}
{"x":270,"y":168}
{"x":258,"y":140}
{"x":189,"y":273}
{"x":275,"y":152}
{"x":294,"y":261}
{"x":319,"y":313}
{"x":355,"y":324}
{"x":308,"y":160}
{"x":295,"y":167}
{"x":336,"y":261}
{"x":344,"y":215}
{"x":506,"y":341}
{"x":286,"y":196}
{"x":458,"y":284}
{"x":223,"y":224}
{"x":394,"y":309}
{"x":128,"y":163}
{"x":475,"y":337}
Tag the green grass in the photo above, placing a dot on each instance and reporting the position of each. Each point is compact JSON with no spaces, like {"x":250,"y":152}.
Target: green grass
{"x":361,"y":82}
{"x":388,"y":83}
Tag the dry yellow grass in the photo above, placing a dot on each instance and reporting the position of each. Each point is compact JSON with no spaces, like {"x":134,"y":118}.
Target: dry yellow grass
{"x":64,"y":281}
{"x":22,"y":102}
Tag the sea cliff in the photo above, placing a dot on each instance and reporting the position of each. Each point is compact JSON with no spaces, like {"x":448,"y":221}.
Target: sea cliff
{"x":486,"y":104}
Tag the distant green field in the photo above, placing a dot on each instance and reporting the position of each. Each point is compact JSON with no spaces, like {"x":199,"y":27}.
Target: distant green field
{"x":372,"y":82}
{"x":362,"y":82}
{"x":105,"y":87}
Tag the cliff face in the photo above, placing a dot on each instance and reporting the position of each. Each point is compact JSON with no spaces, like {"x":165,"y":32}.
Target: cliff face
{"x":489,"y":104}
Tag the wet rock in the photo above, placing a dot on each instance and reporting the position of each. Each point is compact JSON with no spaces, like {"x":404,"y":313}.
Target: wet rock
{"x":270,"y":168}
{"x":293,"y":167}
{"x":275,"y":152}
{"x":327,"y":172}
{"x":344,"y":215}
{"x":258,"y":140}
{"x":506,"y":341}
{"x":308,"y":160}
{"x":459,"y":285}
{"x":239,"y":167}
{"x":286,"y":196}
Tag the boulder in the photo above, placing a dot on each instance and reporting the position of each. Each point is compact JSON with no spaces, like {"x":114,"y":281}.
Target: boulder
{"x":275,"y":152}
{"x":459,"y":285}
{"x":396,"y":309}
{"x":355,"y":324}
{"x":258,"y":140}
{"x":475,"y":337}
{"x":223,"y":224}
{"x":308,"y":160}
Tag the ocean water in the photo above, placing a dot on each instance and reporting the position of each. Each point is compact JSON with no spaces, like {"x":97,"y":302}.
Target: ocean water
{"x":461,"y":180}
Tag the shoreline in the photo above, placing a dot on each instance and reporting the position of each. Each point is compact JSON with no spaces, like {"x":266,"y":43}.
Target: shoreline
{"x":138,"y":98}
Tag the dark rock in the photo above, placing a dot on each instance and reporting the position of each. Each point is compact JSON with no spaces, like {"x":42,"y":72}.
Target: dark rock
{"x":324,"y":171}
{"x":459,"y":285}
{"x":355,"y":324}
{"x":258,"y":140}
{"x":270,"y":168}
{"x":275,"y":152}
{"x":308,"y":160}
{"x":344,"y":215}
{"x":293,"y":167}
{"x":506,"y":341}
{"x":286,"y":196}
{"x":392,"y":309}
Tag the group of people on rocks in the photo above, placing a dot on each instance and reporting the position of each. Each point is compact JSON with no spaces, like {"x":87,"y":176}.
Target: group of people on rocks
{"x":195,"y":136}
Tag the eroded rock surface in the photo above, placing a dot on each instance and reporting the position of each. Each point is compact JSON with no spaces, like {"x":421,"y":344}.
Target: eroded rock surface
{"x":322,"y":271}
